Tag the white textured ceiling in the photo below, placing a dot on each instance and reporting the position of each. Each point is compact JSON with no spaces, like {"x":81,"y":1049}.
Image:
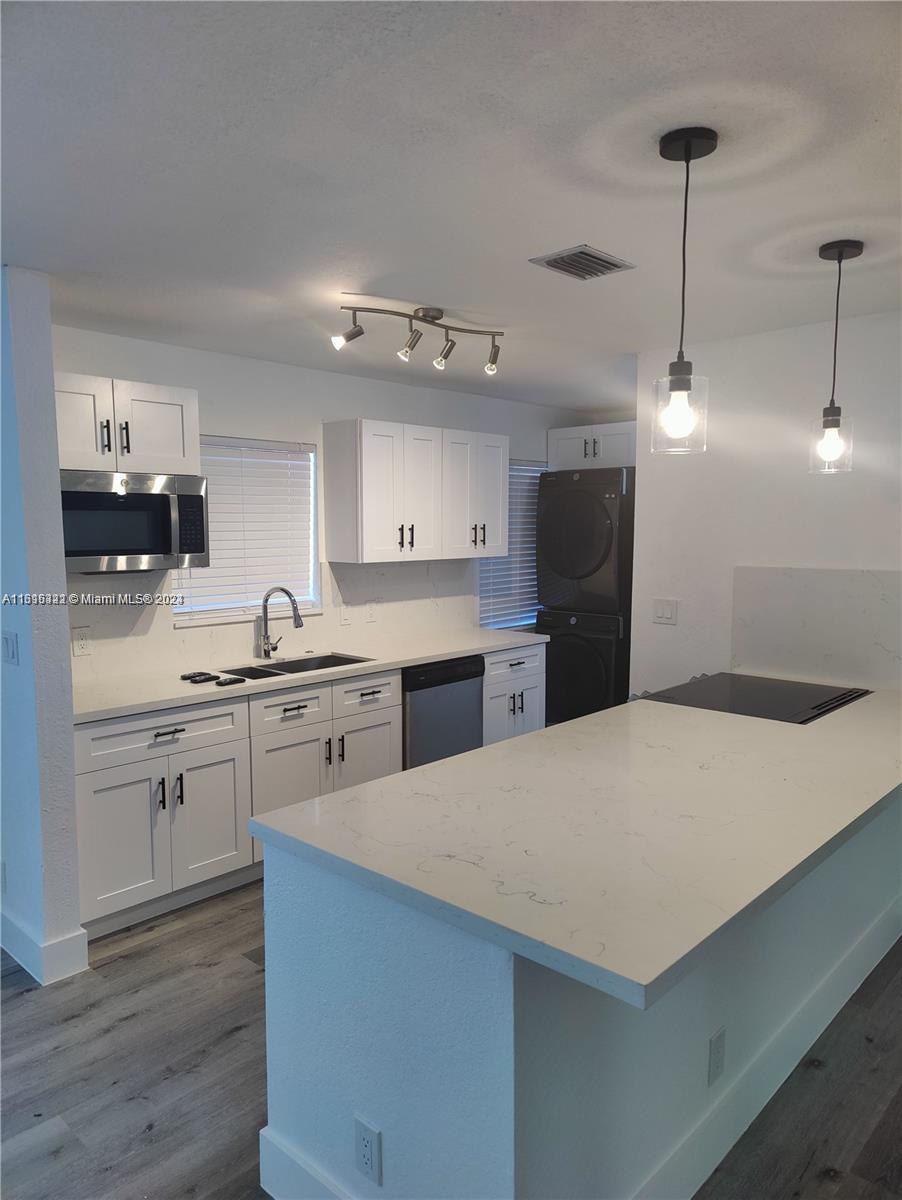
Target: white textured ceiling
{"x":218,"y":174}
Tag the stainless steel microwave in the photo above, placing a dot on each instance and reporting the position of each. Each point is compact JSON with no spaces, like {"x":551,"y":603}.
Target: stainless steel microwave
{"x":118,"y":521}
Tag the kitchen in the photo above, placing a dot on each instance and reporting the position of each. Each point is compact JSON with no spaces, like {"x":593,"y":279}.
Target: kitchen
{"x":429,"y":735}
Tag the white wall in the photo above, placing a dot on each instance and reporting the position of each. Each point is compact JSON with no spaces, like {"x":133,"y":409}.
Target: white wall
{"x":750,"y":501}
{"x":40,"y":899}
{"x":252,"y":398}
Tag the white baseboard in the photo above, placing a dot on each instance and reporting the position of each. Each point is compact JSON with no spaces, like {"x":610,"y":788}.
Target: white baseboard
{"x":44,"y":961}
{"x":285,"y":1174}
{"x":687,"y":1167}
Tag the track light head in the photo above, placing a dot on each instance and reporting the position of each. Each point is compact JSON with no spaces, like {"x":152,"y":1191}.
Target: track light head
{"x":491,"y":367}
{"x":341,"y":339}
{"x":409,"y":345}
{"x":439,"y":363}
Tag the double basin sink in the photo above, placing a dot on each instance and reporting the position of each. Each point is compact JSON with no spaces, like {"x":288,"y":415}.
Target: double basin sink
{"x":294,"y":666}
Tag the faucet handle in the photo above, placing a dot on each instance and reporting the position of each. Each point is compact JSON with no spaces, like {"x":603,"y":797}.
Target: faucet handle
{"x":274,"y":642}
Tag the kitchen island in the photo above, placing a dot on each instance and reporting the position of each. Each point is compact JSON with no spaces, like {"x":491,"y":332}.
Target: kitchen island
{"x":576,"y":963}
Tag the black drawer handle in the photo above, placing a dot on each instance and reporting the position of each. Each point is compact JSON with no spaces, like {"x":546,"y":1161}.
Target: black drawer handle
{"x":341,"y":748}
{"x":521,"y":662}
{"x":126,"y":443}
{"x":180,"y":784}
{"x":595,"y":447}
{"x":521,"y":702}
{"x":372,"y":692}
{"x":169,"y":732}
{"x":475,"y":535}
{"x":483,"y":534}
{"x":400,"y":537}
{"x":106,"y":437}
{"x":163,"y":792}
{"x":585,"y":447}
{"x":294,"y":707}
{"x":328,"y":752}
{"x":513,"y":708}
{"x":411,"y":537}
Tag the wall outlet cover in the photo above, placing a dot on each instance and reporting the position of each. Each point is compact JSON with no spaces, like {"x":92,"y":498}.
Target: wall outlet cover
{"x":368,"y":1151}
{"x":81,"y":642}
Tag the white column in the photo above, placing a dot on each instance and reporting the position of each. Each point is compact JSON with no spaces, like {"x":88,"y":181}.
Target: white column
{"x":40,"y":912}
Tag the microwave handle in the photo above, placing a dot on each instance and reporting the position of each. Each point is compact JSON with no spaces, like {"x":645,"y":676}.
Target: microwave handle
{"x":175,"y":548}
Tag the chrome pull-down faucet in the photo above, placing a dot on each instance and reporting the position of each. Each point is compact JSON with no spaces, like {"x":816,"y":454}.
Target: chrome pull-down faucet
{"x":267,"y":642}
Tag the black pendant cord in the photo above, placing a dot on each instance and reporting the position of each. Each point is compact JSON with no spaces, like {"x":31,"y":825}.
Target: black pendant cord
{"x":685,"y":226}
{"x":836,"y":330}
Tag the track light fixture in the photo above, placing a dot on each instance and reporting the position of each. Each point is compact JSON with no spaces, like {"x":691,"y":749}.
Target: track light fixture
{"x":439,"y":363}
{"x":356,"y":331}
{"x":831,"y":448}
{"x":681,"y":408}
{"x":410,"y":345}
{"x":425,"y":316}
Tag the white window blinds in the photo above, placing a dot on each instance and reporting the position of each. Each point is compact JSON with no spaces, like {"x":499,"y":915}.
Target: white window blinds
{"x":507,"y":586}
{"x":261,"y":501}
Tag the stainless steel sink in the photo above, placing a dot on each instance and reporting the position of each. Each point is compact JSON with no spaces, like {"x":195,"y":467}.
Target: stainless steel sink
{"x":293,"y":666}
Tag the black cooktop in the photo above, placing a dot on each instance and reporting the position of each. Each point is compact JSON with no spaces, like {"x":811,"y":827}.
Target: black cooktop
{"x":757,"y":696}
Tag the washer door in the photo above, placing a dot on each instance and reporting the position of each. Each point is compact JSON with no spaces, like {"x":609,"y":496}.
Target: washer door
{"x":579,"y":676}
{"x":575,"y":533}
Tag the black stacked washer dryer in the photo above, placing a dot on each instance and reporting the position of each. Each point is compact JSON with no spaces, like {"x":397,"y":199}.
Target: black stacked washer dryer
{"x":584,"y":565}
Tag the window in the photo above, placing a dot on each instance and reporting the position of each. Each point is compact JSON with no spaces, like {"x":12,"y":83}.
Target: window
{"x":508,"y":594}
{"x":261,"y":500}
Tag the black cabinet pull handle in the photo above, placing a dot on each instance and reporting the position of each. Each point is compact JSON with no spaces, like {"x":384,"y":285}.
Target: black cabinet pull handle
{"x":483,"y":534}
{"x":585,"y":447}
{"x":341,"y":748}
{"x":475,"y":535}
{"x":372,"y":692}
{"x":328,"y":752}
{"x":521,"y":702}
{"x":163,"y":792}
{"x":294,"y":707}
{"x":106,"y":437}
{"x":168,"y":732}
{"x":400,"y":537}
{"x":180,"y":782}
{"x":126,"y":443}
{"x":595,"y":447}
{"x":521,"y":662}
{"x":411,"y":537}
{"x":513,"y":707}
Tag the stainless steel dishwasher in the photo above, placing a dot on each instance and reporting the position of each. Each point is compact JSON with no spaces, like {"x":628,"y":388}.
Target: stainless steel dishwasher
{"x":442,"y":709}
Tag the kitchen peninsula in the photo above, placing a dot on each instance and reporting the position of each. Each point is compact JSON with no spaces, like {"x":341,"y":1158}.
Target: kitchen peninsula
{"x":576,"y":964}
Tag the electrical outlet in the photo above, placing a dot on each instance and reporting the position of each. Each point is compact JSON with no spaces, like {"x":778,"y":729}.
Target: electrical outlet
{"x":344,"y":615}
{"x":371,"y":610}
{"x":717,"y":1052}
{"x":81,"y":643}
{"x":368,"y":1151}
{"x":664,"y":612}
{"x":10,"y":648}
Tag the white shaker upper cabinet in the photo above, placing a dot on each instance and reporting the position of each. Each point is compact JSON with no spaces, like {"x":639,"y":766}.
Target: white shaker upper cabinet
{"x":84,"y":422}
{"x":612,"y":445}
{"x":474,"y":494}
{"x":157,"y":429}
{"x":422,"y":506}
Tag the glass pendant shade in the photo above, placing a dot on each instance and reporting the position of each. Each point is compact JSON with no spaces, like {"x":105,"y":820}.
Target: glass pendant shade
{"x":680,"y":423}
{"x":830,"y":449}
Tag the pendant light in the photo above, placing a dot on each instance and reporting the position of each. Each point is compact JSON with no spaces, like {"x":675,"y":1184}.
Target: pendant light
{"x":831,"y":442}
{"x":681,"y":400}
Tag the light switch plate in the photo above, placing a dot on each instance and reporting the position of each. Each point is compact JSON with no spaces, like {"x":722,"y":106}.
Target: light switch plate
{"x":81,"y":642}
{"x":344,"y":615}
{"x":664,"y":612}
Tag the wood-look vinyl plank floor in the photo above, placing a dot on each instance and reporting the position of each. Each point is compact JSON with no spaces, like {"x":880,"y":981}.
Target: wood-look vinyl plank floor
{"x":144,"y":1078}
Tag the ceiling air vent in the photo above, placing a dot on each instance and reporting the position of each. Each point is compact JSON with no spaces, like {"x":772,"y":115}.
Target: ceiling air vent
{"x":582,"y":262}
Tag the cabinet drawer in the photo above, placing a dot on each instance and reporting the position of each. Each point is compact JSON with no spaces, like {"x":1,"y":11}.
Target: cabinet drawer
{"x":365,"y":692}
{"x":294,"y":706}
{"x":526,"y":660}
{"x":101,"y":744}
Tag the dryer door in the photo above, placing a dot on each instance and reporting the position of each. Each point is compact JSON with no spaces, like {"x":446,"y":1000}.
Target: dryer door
{"x":579,"y":675}
{"x":576,"y":537}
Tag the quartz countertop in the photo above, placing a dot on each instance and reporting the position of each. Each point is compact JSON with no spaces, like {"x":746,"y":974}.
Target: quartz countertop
{"x":122,"y":695}
{"x":613,"y":847}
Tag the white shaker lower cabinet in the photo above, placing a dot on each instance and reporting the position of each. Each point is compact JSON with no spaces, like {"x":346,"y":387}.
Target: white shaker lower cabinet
{"x":367,"y":746}
{"x":124,"y":836}
{"x":513,"y":696}
{"x":290,"y":766}
{"x":210,"y":792}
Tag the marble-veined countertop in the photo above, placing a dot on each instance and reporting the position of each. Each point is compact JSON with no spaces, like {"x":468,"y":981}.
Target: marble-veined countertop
{"x":610,"y":848}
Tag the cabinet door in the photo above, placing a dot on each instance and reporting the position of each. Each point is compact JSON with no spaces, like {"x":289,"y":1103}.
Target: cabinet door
{"x":367,"y":746}
{"x":382,"y":491}
{"x":85,"y":423}
{"x":156,"y":428}
{"x":499,"y":702}
{"x":123,"y":837}
{"x":493,"y":501}
{"x":614,"y":445}
{"x":422,"y":504}
{"x":460,"y":494}
{"x":211,"y":805}
{"x":288,"y":767}
{"x":570,"y":448}
{"x":530,"y":696}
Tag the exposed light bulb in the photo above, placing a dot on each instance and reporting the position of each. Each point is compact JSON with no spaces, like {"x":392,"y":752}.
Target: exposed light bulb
{"x":678,"y":418}
{"x":404,"y":352}
{"x":338,"y":340}
{"x":404,"y":355}
{"x":341,"y":339}
{"x":831,"y":446}
{"x":491,"y":367}
{"x":439,"y":363}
